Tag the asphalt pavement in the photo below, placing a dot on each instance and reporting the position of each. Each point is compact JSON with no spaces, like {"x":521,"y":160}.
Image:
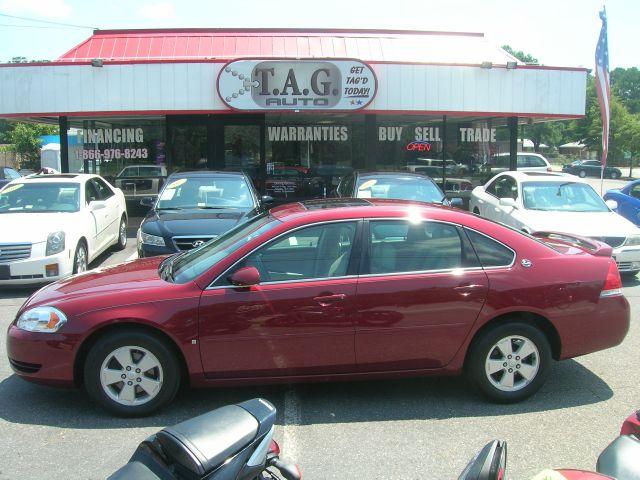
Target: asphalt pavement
{"x":424,"y":428}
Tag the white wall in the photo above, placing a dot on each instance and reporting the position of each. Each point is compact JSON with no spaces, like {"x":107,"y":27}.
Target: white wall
{"x":192,"y":86}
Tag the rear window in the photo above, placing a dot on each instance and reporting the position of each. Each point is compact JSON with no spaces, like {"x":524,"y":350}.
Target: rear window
{"x":490,"y":252}
{"x":535,"y":162}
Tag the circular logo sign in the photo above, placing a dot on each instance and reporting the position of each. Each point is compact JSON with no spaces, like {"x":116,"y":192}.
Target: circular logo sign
{"x":297,"y":84}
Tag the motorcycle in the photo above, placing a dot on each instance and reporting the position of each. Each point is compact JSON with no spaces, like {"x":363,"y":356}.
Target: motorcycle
{"x":619,"y":461}
{"x":234,"y":442}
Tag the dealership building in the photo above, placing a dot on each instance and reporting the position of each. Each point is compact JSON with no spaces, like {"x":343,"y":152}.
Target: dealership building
{"x":295,"y":109}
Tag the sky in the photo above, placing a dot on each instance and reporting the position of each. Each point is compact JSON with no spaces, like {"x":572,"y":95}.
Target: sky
{"x":557,"y":32}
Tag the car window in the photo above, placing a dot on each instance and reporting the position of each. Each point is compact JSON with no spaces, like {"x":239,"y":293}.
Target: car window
{"x":399,"y":187}
{"x":149,"y":171}
{"x":104,"y":191}
{"x":90,"y":192}
{"x":206,"y":192}
{"x":10,"y":173}
{"x":40,"y":197}
{"x":129,"y":172}
{"x":562,"y":196}
{"x":592,"y":163}
{"x":195,"y":262}
{"x":320,"y":251}
{"x":490,"y":252}
{"x":635,"y":191}
{"x":400,"y":246}
{"x":534,"y":161}
{"x":503,"y":187}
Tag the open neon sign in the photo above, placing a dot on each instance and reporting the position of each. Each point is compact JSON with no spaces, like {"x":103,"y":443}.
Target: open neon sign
{"x":418,"y":146}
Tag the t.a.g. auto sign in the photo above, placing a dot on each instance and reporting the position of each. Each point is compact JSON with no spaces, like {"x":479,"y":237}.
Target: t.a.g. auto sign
{"x":297,"y":84}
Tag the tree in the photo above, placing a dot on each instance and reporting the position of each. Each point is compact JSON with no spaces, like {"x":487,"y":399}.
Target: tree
{"x":625,"y":82}
{"x":520,"y":55}
{"x":26,"y":142}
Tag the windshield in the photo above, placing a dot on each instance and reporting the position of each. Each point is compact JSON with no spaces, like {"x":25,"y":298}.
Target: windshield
{"x":194,"y":262}
{"x":561,"y":196}
{"x":205,"y":192}
{"x":40,"y":197}
{"x":402,"y":188}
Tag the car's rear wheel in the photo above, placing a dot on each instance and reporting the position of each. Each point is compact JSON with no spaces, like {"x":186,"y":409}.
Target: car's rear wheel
{"x":80,"y":258}
{"x":629,"y":275}
{"x":509,"y":362}
{"x":582,"y":174}
{"x":614,"y":175}
{"x":131,"y":373}
{"x":121,"y":244}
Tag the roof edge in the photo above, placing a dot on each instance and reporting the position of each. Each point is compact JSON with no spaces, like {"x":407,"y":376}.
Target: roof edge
{"x":283,"y":30}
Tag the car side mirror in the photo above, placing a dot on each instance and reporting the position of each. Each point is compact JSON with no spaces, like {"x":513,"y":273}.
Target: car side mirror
{"x":245,"y":277}
{"x":489,"y":464}
{"x":267,"y":199}
{"x":457,"y":202}
{"x":508,"y":202}
{"x":612,"y":204}
{"x":146,"y":202}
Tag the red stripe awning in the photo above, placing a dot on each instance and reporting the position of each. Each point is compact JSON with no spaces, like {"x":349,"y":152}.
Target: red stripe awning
{"x":214,"y":44}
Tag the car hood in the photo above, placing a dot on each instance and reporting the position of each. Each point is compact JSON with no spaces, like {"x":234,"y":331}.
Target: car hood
{"x":586,"y":224}
{"x":194,"y":221}
{"x":32,"y":227}
{"x":138,"y":275}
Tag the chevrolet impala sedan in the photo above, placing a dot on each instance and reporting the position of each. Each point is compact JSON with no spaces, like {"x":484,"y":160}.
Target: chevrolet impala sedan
{"x":327,"y":289}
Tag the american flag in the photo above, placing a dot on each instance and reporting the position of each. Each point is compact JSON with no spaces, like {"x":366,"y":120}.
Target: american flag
{"x":602,"y":84}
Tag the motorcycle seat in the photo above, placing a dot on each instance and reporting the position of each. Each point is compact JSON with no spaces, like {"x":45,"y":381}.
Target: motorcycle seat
{"x":203,"y":443}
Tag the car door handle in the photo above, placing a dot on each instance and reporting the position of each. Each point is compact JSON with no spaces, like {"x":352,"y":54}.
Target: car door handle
{"x":327,"y":300}
{"x":467,"y":289}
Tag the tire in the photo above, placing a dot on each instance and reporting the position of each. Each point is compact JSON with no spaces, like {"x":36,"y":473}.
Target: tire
{"x":121,"y":243}
{"x":80,"y":258}
{"x":614,"y":175}
{"x":476,"y":211}
{"x":628,"y":275}
{"x":144,"y":392}
{"x":484,"y":349}
{"x":582,"y":174}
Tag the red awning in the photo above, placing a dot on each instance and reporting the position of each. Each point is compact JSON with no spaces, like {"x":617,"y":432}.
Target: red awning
{"x":215,"y":44}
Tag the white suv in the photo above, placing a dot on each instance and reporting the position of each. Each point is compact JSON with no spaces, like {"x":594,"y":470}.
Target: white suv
{"x":527,"y":162}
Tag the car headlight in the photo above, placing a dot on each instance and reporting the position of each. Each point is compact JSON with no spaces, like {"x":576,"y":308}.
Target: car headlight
{"x":55,"y":243}
{"x":148,"y":239}
{"x":41,"y":319}
{"x":632,"y":241}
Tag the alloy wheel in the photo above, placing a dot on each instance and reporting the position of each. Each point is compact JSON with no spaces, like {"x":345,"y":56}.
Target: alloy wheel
{"x":123,"y":233}
{"x":512,"y":363}
{"x":131,"y":375}
{"x":81,"y":260}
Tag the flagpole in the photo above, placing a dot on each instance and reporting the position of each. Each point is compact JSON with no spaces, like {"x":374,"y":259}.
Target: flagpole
{"x":601,"y":179}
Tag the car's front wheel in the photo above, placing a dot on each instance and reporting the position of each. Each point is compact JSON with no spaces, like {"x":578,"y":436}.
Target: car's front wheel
{"x":509,"y":362}
{"x":582,"y":174}
{"x":121,"y":243}
{"x":614,"y":175}
{"x":80,"y":258}
{"x":131,"y":373}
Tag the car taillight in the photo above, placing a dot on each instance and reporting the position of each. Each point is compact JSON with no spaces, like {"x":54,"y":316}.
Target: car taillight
{"x":613,"y":283}
{"x":549,"y":169}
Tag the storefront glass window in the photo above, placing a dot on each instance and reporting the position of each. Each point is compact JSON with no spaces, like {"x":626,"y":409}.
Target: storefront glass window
{"x":188,"y":145}
{"x":112,"y":147}
{"x":307,"y":155}
{"x":409,"y":143}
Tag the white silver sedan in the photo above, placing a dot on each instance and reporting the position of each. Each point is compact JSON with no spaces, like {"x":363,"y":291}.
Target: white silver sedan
{"x":53,"y":225}
{"x":556,"y":202}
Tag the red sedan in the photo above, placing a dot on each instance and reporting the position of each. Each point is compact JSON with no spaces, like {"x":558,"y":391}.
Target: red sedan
{"x":340,"y":289}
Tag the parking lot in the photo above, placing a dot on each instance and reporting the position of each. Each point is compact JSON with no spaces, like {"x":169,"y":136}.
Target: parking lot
{"x":409,"y":428}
